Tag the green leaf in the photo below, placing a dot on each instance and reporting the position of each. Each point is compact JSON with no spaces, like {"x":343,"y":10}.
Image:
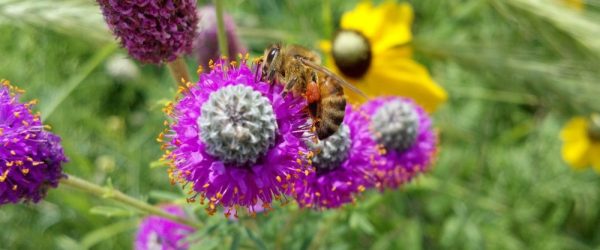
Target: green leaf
{"x":235,"y":244}
{"x":359,"y":221}
{"x":68,"y":243}
{"x":259,"y":243}
{"x":108,"y":232}
{"x":112,"y":211}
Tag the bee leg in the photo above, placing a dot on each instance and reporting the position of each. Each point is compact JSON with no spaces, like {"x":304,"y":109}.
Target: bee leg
{"x":258,"y":75}
{"x":290,"y":84}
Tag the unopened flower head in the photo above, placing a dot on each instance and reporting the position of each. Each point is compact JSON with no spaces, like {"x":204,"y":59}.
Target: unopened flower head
{"x":206,"y":44}
{"x":344,"y":164}
{"x":235,"y":140}
{"x":161,"y":233}
{"x":409,"y":143}
{"x":30,"y":158}
{"x":152,"y":31}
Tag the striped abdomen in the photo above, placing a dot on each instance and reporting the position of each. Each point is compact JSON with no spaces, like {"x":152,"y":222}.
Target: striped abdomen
{"x":331,"y":109}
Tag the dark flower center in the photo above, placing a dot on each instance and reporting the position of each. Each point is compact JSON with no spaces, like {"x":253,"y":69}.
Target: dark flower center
{"x":352,"y":53}
{"x":594,"y":128}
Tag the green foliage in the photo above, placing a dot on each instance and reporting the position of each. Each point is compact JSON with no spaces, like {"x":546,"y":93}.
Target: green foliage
{"x":515,"y":71}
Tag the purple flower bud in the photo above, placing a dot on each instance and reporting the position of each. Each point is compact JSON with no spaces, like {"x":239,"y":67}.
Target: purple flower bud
{"x":30,"y":158}
{"x":407,"y":137}
{"x":160,"y":233}
{"x":344,"y":162}
{"x":152,"y":31}
{"x":206,"y":45}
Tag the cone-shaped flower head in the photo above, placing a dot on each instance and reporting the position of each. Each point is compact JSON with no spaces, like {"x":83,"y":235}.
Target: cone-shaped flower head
{"x":30,"y":158}
{"x":405,"y":133}
{"x":206,"y":44}
{"x":344,"y":163}
{"x":152,"y":31}
{"x":159,"y":233}
{"x":372,"y":50}
{"x":235,"y":140}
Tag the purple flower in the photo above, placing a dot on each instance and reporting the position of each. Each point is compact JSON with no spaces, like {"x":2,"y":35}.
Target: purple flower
{"x":344,"y":164}
{"x":206,"y":45}
{"x":30,"y":158}
{"x":152,"y":31}
{"x":409,"y":142}
{"x":235,"y":140}
{"x":159,"y":233}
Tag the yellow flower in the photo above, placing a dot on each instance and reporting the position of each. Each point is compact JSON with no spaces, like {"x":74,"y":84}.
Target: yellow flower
{"x":372,"y":51}
{"x":574,"y":4}
{"x":581,"y":142}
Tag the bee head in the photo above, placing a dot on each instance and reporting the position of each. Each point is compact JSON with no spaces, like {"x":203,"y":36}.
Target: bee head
{"x":271,"y":62}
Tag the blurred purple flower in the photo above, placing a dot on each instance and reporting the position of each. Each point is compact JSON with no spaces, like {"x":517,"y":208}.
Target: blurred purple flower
{"x":344,"y":164}
{"x":160,"y":233}
{"x":235,"y":139}
{"x":30,"y":158}
{"x":206,"y":44}
{"x":404,"y":130}
{"x":152,"y":31}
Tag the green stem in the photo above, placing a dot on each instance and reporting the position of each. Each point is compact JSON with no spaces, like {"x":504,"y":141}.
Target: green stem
{"x":327,"y":20}
{"x":221,"y":35}
{"x":118,"y":196}
{"x":74,"y":81}
{"x":179,"y":71}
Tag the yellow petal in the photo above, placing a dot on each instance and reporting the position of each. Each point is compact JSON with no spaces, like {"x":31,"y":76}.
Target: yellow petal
{"x":574,"y":4}
{"x":396,"y":29}
{"x":385,"y":26}
{"x":400,"y":77}
{"x":325,"y":46}
{"x":576,"y":153}
{"x":575,"y":129}
{"x":595,"y":156}
{"x":362,"y":18}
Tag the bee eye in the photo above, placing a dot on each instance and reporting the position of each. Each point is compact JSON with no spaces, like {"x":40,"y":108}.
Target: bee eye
{"x":272,"y":55}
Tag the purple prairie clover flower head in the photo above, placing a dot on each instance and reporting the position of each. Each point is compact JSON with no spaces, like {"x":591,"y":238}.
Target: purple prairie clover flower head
{"x":30,"y":158}
{"x":236,"y":141}
{"x":152,"y":31}
{"x":344,"y":164}
{"x":206,"y":44}
{"x":160,"y":233}
{"x":231,"y":213}
{"x":406,"y":136}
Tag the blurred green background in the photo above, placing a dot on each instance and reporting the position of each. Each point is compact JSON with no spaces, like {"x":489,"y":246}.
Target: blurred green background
{"x":515,"y":70}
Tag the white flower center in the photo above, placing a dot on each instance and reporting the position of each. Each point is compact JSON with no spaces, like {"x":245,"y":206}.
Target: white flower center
{"x":331,"y":152}
{"x":237,"y":124}
{"x":396,"y":125}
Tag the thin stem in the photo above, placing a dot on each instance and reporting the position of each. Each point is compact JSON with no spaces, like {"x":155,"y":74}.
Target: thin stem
{"x":118,"y":196}
{"x":327,"y":20}
{"x":179,"y":71}
{"x":74,"y":81}
{"x":221,"y":35}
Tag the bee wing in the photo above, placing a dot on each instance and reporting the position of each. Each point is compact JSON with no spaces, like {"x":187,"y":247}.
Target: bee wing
{"x":328,"y":72}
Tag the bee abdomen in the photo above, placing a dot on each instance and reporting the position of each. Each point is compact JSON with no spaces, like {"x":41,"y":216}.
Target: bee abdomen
{"x":332,"y":115}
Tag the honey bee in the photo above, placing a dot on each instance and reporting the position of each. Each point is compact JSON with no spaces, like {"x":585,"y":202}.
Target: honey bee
{"x":299,"y":70}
